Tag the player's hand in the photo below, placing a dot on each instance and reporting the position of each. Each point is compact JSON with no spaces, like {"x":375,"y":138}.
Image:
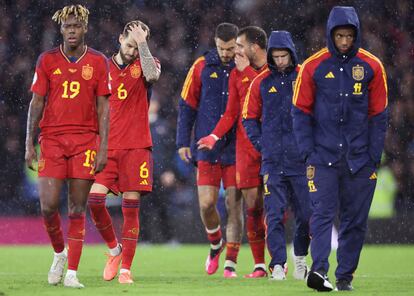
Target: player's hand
{"x":30,"y":156}
{"x":100,"y":162}
{"x":241,"y":61}
{"x":185,"y":154}
{"x":207,"y":142}
{"x":138,"y":34}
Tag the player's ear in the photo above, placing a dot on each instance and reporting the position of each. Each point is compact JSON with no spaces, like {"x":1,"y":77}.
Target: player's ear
{"x":121,"y":38}
{"x":255,"y":47}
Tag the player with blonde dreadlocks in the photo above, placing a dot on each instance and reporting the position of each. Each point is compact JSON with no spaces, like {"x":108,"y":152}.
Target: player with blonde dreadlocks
{"x":74,"y":79}
{"x":80,"y":12}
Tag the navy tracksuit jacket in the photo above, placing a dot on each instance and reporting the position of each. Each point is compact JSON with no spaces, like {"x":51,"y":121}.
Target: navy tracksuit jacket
{"x":339,"y":120}
{"x":268,"y":123}
{"x":203,"y":101}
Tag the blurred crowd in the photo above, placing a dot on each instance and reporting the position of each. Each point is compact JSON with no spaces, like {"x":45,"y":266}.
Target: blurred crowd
{"x":180,"y":32}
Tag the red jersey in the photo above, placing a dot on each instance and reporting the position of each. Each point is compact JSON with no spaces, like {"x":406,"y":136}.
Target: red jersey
{"x":239,"y":83}
{"x":129,"y":102}
{"x":71,"y":89}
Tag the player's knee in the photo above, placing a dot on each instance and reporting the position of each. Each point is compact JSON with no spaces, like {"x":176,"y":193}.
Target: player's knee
{"x":207,"y":207}
{"x":77,"y":209}
{"x":47,"y":211}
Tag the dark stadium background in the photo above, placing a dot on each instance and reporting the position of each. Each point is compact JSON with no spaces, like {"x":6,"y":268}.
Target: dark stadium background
{"x":181,"y":31}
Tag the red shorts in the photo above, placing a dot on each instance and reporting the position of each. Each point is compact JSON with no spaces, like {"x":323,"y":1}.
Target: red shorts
{"x":212,"y":173}
{"x":67,"y":156}
{"x":248,"y":162}
{"x":127,"y":170}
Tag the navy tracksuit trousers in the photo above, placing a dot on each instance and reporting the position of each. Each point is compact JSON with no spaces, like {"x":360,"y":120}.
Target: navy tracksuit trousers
{"x":334,"y":189}
{"x":278,"y":191}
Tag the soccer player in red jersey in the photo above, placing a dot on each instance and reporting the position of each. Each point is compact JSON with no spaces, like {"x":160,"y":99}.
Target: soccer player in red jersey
{"x":133,"y":70}
{"x":250,"y":61}
{"x":70,"y":104}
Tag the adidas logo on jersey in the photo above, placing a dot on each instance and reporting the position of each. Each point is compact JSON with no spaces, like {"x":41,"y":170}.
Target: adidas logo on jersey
{"x":272,"y":89}
{"x":245,"y":79}
{"x":330,"y":75}
{"x":214,"y":75}
{"x":143,"y":182}
{"x":373,"y":176}
{"x":57,"y":72}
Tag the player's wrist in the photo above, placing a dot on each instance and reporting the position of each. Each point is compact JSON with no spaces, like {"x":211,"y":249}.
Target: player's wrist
{"x":214,"y":137}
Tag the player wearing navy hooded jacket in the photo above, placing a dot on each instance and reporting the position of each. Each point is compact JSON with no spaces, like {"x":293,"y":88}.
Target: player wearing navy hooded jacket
{"x":339,"y":120}
{"x":203,"y":101}
{"x":268,"y":122}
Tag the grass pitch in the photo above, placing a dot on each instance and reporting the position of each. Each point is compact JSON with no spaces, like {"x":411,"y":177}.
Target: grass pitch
{"x":166,"y":270}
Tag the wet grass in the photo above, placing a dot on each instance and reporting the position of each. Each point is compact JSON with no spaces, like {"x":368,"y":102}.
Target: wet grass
{"x":178,"y":270}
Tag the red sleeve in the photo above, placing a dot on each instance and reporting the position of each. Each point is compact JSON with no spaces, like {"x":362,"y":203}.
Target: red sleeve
{"x":378,"y":89}
{"x":304,"y":93}
{"x":192,"y":85}
{"x":252,"y":108}
{"x":40,"y":84}
{"x":103,"y":87}
{"x":232,"y":112}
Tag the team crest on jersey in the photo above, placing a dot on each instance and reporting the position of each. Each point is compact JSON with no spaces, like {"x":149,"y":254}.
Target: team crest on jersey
{"x":87,"y":72}
{"x":310,"y":172}
{"x":358,"y":72}
{"x":41,"y":165}
{"x":135,"y":71}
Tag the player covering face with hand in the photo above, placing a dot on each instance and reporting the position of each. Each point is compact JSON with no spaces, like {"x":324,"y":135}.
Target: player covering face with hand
{"x":250,"y":61}
{"x":133,"y":70}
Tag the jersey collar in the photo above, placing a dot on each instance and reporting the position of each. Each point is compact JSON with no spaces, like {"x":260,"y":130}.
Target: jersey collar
{"x":67,"y":58}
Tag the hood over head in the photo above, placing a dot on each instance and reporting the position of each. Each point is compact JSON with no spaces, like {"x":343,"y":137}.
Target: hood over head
{"x":281,"y":40}
{"x":341,"y":16}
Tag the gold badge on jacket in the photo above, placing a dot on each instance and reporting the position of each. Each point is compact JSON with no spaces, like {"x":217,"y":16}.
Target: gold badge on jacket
{"x":310,"y":172}
{"x":135,"y":71}
{"x":87,"y":72}
{"x":358,"y":72}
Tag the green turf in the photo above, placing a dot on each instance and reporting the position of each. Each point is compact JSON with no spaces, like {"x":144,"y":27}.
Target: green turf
{"x":164,"y":270}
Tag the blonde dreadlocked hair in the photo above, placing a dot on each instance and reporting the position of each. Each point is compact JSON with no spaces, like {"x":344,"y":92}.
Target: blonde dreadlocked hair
{"x":80,"y":12}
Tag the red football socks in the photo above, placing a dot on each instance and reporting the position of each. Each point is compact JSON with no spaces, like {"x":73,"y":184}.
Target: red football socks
{"x":232,"y":251}
{"x":256,"y":234}
{"x":130,"y":231}
{"x":214,"y":236}
{"x":54,"y":230}
{"x":102,"y":219}
{"x":76,"y":235}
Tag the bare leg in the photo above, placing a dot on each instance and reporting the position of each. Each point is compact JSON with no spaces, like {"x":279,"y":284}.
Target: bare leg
{"x":49,"y":192}
{"x":207,"y":197}
{"x":234,"y":206}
